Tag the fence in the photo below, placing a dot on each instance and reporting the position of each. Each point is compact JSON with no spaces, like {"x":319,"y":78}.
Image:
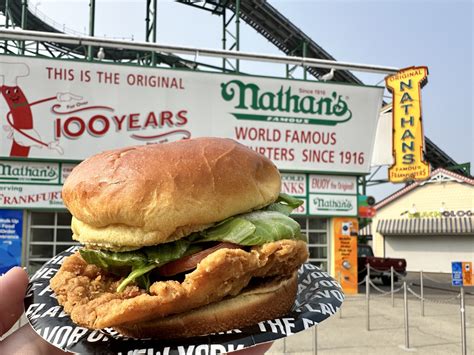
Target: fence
{"x":406,"y":289}
{"x":379,"y":292}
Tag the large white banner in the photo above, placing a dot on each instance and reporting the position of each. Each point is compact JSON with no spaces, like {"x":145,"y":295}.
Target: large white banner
{"x":66,"y":110}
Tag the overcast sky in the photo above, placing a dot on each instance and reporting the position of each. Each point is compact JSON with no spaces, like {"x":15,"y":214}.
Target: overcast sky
{"x":438,"y":34}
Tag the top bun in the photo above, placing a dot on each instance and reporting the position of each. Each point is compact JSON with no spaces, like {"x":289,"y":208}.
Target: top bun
{"x":145,"y":195}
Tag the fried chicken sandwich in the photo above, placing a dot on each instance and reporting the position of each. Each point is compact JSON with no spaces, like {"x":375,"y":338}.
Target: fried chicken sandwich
{"x":180,"y":239}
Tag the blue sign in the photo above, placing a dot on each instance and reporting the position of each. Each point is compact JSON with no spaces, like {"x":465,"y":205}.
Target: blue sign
{"x":456,"y":267}
{"x":11,"y":227}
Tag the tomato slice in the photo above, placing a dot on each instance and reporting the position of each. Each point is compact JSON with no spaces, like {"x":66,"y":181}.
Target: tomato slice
{"x":190,"y":262}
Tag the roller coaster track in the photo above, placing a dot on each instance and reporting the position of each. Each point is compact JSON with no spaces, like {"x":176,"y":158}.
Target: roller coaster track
{"x":61,"y":50}
{"x":258,"y":14}
{"x":278,"y":30}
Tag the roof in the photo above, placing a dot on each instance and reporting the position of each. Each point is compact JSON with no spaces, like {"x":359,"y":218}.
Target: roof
{"x":426,"y":226}
{"x":367,"y":230}
{"x":436,"y":176}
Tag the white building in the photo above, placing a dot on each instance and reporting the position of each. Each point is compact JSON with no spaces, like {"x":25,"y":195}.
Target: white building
{"x":429,"y":223}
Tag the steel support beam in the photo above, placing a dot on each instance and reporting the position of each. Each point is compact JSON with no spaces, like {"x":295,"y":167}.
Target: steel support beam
{"x":90,"y":54}
{"x":204,"y":52}
{"x":7,"y":23}
{"x":151,"y":7}
{"x":302,"y":51}
{"x":24,"y":22}
{"x":227,"y":25}
{"x":305,"y":54}
{"x":151,"y":25}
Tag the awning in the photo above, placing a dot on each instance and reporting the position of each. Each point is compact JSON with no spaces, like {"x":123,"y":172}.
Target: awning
{"x":367,"y":230}
{"x":439,"y":226}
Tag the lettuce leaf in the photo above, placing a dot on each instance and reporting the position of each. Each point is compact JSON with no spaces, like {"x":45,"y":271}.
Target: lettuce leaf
{"x":234,"y":230}
{"x":114,"y":261}
{"x":143,"y":281}
{"x":271,"y":226}
{"x":164,"y":253}
{"x":156,"y":256}
{"x":136,"y":273}
{"x":254,"y":228}
{"x":140,"y":262}
{"x":284,"y":204}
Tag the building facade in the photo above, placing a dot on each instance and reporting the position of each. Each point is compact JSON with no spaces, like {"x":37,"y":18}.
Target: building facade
{"x":429,"y":223}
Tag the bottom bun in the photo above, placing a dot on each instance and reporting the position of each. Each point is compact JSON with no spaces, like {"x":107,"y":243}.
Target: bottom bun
{"x":269,"y":300}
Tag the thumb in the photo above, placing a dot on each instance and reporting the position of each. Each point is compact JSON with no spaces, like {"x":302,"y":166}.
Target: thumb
{"x":12,"y":291}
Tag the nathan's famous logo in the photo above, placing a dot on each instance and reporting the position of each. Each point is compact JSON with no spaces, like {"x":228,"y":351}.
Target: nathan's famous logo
{"x":332,"y":205}
{"x":28,"y":172}
{"x":285,"y":106}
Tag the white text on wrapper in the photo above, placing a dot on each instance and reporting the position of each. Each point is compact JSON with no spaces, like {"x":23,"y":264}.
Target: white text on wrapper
{"x":212,"y":349}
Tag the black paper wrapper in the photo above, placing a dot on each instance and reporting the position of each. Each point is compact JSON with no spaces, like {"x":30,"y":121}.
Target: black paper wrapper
{"x":319,"y":296}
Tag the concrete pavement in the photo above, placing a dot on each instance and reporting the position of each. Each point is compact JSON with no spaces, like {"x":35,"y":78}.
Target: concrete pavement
{"x":438,"y":332}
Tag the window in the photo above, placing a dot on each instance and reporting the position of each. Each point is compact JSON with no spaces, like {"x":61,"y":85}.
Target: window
{"x":364,"y":251}
{"x":316,"y":230}
{"x":48,"y":234}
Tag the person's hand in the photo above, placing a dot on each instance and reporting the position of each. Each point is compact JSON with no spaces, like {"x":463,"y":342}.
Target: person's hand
{"x":24,"y":341}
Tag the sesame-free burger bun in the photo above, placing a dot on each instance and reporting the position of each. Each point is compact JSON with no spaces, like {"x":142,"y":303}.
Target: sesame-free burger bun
{"x":146,"y":195}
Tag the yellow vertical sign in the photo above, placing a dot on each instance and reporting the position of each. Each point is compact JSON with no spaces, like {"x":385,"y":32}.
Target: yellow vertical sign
{"x":345,"y":252}
{"x":408,"y":138}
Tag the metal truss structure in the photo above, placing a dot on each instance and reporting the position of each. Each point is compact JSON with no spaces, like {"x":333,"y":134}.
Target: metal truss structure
{"x":17,"y":13}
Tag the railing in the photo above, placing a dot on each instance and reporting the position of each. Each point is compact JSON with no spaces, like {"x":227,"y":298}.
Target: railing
{"x":456,"y":299}
{"x":33,"y":8}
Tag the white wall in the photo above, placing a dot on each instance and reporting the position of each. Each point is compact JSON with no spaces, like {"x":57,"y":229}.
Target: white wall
{"x":430,"y":253}
{"x":428,"y":197}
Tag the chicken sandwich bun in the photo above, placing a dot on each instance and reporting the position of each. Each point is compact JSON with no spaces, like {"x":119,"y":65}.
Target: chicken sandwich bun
{"x":180,"y":239}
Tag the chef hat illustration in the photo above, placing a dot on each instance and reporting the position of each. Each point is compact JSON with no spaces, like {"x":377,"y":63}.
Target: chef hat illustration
{"x":10,"y":72}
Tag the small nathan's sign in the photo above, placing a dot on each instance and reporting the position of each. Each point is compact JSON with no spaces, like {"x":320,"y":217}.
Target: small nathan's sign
{"x":293,"y":184}
{"x":344,"y":185}
{"x":30,"y":196}
{"x":332,"y":205}
{"x":12,"y":172}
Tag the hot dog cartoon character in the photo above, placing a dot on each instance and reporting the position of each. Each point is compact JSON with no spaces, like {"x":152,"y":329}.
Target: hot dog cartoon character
{"x":20,"y":118}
